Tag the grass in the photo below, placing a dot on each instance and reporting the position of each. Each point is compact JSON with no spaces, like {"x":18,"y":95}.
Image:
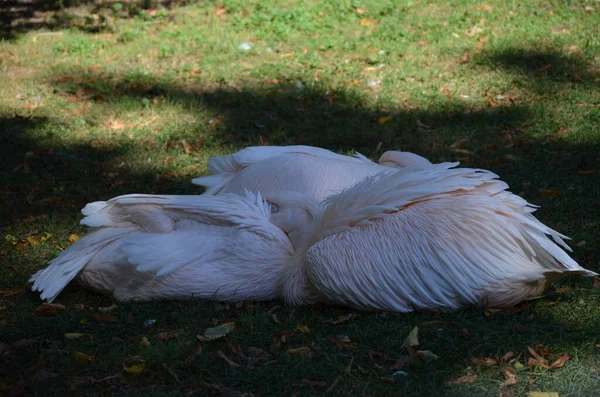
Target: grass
{"x":142,"y":103}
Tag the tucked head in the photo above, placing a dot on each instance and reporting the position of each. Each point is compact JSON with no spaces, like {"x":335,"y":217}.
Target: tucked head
{"x":293,"y":213}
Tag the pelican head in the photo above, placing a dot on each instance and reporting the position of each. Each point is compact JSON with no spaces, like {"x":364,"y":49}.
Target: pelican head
{"x":294,"y":213}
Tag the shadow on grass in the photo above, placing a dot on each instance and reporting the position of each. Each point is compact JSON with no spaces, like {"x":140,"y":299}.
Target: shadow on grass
{"x":495,"y":138}
{"x":20,"y":16}
{"x":545,"y":72}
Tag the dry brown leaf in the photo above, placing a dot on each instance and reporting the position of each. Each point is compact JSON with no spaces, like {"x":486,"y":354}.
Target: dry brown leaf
{"x":299,"y":350}
{"x":303,"y":328}
{"x":587,"y":172}
{"x":542,"y":394}
{"x":384,"y":119}
{"x":74,"y":237}
{"x":549,"y":193}
{"x":446,"y":92}
{"x":508,"y":356}
{"x":462,"y":379}
{"x":11,"y":292}
{"x":464,"y":59}
{"x":560,"y":362}
{"x":49,"y":309}
{"x":167,"y":336}
{"x":596,"y":282}
{"x":422,"y":43}
{"x":484,"y":360}
{"x":367,"y":22}
{"x":3,"y":311}
{"x":105,"y":317}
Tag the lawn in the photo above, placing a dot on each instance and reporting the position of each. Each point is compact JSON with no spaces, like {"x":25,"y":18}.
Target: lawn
{"x":112,"y":99}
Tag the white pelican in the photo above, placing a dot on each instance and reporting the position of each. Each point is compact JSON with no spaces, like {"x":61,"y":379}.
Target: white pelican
{"x":432,"y":238}
{"x":149,"y":247}
{"x":315,"y":172}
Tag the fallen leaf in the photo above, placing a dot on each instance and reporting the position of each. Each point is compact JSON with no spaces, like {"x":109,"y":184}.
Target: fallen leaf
{"x":33,"y":240}
{"x":422,"y":42}
{"x":299,"y":350}
{"x":484,"y":360}
{"x":303,"y":328}
{"x":412,"y":339}
{"x":333,"y":384}
{"x":216,"y":332}
{"x":83,"y":358}
{"x":49,"y":309}
{"x":542,"y":394}
{"x":107,"y":308}
{"x":464,"y":59}
{"x":462,"y":379}
{"x":367,"y":22}
{"x":560,"y":362}
{"x":54,"y":202}
{"x":401,"y":362}
{"x":384,"y":119}
{"x":549,"y":193}
{"x":135,"y":369}
{"x":145,"y":342}
{"x":289,"y":54}
{"x":11,"y":292}
{"x":45,"y":236}
{"x":342,"y":319}
{"x":105,"y":317}
{"x":427,"y":355}
{"x":446,"y":92}
{"x":74,"y":237}
{"x":77,"y":335}
{"x":596,"y":282}
{"x":587,"y":172}
{"x":167,"y":336}
{"x":3,"y":311}
{"x":227,"y":359}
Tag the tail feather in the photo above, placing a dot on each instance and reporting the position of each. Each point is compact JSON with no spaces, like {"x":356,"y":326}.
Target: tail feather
{"x":61,"y":270}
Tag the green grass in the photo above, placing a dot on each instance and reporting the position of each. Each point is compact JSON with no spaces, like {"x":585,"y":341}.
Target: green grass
{"x":140,"y":105}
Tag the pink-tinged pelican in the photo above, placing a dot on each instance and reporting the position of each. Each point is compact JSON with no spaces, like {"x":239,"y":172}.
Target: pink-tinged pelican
{"x":151,"y":247}
{"x":315,"y":172}
{"x":433,"y":238}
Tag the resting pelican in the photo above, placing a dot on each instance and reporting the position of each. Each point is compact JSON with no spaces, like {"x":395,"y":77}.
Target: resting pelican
{"x":433,"y":238}
{"x":315,"y":172}
{"x":150,"y":247}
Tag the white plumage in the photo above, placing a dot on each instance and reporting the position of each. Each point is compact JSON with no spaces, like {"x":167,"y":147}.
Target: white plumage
{"x":400,"y":235}
{"x":147,"y":247}
{"x":317,"y":173}
{"x":434,"y":238}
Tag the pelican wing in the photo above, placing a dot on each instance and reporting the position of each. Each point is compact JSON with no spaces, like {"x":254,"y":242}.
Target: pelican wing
{"x":433,"y":239}
{"x":164,"y":234}
{"x":224,"y":168}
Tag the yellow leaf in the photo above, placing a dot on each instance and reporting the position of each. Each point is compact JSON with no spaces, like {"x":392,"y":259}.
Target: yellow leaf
{"x":135,"y":369}
{"x":45,"y":236}
{"x":299,"y":350}
{"x":33,"y":240}
{"x":384,"y":119}
{"x":367,"y":21}
{"x":74,"y":237}
{"x":11,"y":239}
{"x":413,"y":338}
{"x":303,"y":328}
{"x":83,"y":358}
{"x":108,"y":308}
{"x":542,"y":394}
{"x":216,"y":332}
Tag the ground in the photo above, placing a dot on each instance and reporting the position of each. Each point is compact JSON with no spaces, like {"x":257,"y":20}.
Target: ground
{"x":106,"y":98}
